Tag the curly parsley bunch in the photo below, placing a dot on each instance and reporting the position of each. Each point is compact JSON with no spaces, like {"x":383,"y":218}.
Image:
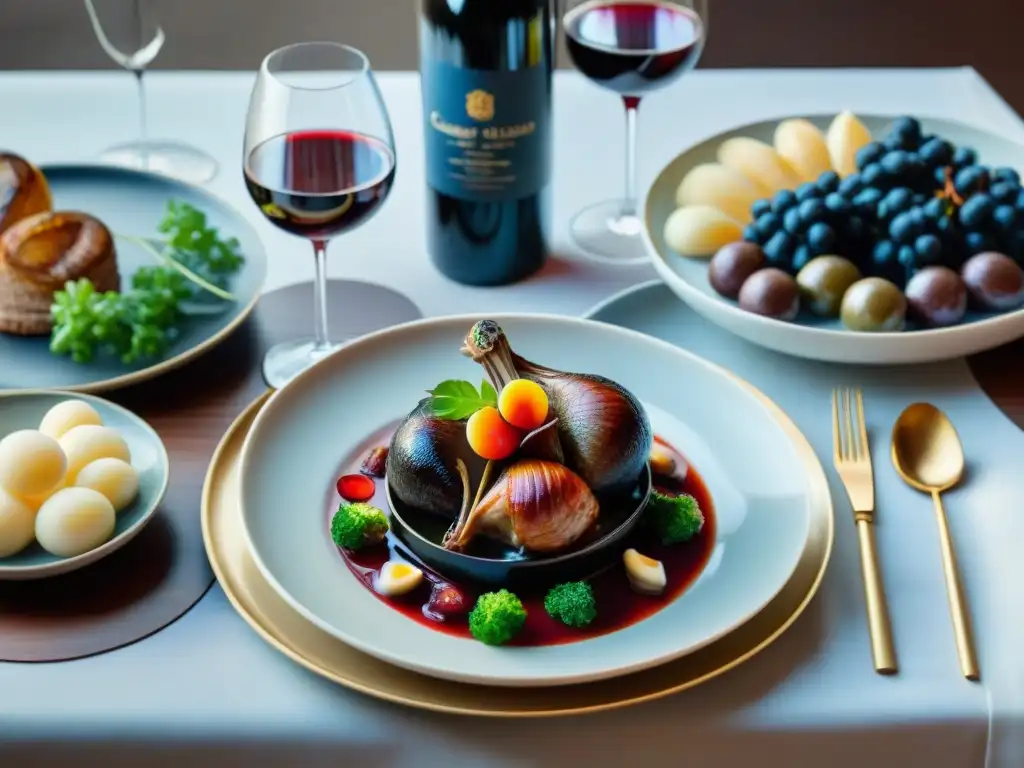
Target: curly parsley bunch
{"x":142,"y":322}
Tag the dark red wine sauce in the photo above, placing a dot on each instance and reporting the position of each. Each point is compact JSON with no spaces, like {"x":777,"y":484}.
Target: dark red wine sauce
{"x":618,"y":606}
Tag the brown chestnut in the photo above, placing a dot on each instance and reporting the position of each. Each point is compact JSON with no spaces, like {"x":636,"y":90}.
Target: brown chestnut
{"x":936,"y":296}
{"x":772,"y":293}
{"x":732,"y":265}
{"x":994,"y":281}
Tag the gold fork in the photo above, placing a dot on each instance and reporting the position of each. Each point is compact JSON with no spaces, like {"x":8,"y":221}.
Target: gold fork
{"x":852,"y":459}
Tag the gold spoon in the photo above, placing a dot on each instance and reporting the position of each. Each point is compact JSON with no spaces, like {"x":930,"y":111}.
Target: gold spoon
{"x":927,"y":454}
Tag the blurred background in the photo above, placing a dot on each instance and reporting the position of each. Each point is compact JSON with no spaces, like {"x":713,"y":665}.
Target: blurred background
{"x":235,"y":34}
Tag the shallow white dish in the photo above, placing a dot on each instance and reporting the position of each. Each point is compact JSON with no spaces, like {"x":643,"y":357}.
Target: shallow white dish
{"x":751,"y":467}
{"x":24,"y":410}
{"x":823,"y":339}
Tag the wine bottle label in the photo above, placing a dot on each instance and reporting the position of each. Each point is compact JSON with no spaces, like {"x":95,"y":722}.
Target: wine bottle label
{"x":486,"y":131}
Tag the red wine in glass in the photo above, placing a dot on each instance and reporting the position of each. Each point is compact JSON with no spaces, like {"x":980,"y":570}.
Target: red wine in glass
{"x":630,"y":47}
{"x":633,"y":47}
{"x":318,"y":159}
{"x":318,"y":184}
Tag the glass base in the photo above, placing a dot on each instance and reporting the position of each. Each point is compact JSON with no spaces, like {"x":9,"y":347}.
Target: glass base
{"x":604,"y":234}
{"x":170,"y":158}
{"x":355,"y":308}
{"x":283,"y":362}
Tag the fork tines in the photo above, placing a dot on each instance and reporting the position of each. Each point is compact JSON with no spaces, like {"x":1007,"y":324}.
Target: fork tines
{"x":851,"y":450}
{"x":849,"y":444}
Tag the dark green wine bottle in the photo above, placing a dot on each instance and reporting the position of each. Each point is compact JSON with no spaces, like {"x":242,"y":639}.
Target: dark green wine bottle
{"x":486,"y":68}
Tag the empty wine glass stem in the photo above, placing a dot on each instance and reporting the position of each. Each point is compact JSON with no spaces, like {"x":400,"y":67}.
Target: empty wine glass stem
{"x":629,"y":199}
{"x":321,"y":343}
{"x":143,"y":128}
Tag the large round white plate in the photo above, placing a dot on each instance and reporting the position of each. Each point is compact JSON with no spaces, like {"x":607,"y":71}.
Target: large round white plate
{"x":753,"y":471}
{"x":823,"y":339}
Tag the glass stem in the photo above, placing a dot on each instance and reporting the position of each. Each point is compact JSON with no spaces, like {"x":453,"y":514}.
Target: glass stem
{"x":321,"y":343}
{"x":629,"y":200}
{"x":143,"y":128}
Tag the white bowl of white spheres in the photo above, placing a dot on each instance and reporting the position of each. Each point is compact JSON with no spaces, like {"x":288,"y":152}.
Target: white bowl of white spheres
{"x":80,"y":477}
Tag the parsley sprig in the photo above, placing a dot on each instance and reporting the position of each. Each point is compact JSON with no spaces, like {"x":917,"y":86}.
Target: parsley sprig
{"x":141,"y":322}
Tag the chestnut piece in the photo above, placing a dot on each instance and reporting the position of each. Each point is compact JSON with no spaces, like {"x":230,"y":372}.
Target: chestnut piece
{"x":375,"y":463}
{"x":732,"y":265}
{"x":936,"y":296}
{"x":447,"y":601}
{"x":772,"y":293}
{"x":994,"y":281}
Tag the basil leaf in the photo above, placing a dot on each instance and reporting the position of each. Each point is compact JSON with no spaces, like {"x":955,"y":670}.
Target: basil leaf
{"x":455,"y":400}
{"x":488,"y":393}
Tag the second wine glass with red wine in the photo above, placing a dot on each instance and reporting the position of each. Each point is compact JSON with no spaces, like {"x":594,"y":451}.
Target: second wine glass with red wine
{"x":630,"y":47}
{"x":319,"y":160}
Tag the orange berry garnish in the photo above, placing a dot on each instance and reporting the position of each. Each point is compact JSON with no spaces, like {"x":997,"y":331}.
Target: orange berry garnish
{"x":523,"y":404}
{"x":490,"y":436}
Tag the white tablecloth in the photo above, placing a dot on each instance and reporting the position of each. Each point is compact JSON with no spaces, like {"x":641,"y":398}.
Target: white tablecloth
{"x":207,"y":688}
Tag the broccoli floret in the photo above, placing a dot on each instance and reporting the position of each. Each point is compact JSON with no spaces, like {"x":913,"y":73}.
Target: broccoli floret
{"x":675,"y":518}
{"x":497,"y":617}
{"x":572,"y":604}
{"x":358,"y":525}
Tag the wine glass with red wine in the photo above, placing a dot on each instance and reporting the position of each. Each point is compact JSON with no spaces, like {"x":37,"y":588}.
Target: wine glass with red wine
{"x":630,"y":47}
{"x":319,"y":160}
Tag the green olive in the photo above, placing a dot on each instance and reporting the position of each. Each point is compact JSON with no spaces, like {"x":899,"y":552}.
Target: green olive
{"x":823,"y":281}
{"x":873,"y":304}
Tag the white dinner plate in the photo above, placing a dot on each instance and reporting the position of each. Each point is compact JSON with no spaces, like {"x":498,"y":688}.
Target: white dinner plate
{"x":820,"y":339}
{"x":752,"y":469}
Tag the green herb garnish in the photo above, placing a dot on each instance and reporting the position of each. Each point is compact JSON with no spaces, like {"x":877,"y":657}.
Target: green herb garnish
{"x":456,"y":400}
{"x":675,"y":519}
{"x":358,"y":525}
{"x":573,"y":603}
{"x":141,"y":322}
{"x":497,"y":617}
{"x":195,"y":244}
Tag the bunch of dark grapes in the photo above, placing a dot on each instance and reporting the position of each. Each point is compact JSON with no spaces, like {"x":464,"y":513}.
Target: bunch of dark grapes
{"x":915,"y":201}
{"x":933,"y":204}
{"x":991,"y":216}
{"x":914,"y":233}
{"x":794,"y":226}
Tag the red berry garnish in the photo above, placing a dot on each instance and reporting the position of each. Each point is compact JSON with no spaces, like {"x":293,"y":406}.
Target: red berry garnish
{"x":356,"y":487}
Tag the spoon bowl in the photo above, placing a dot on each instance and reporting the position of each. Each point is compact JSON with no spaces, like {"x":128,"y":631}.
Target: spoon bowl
{"x":926,"y":449}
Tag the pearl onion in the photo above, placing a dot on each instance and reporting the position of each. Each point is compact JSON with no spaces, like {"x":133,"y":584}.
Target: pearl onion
{"x":115,"y":479}
{"x":67,"y":415}
{"x":17,"y":524}
{"x":74,"y":521}
{"x":30,"y":463}
{"x":86,"y":443}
